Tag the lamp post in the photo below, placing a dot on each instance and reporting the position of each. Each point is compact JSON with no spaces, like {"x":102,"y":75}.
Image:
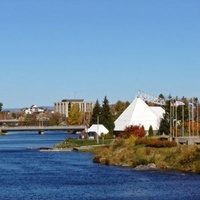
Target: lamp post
{"x":97,"y":129}
{"x":170,"y":117}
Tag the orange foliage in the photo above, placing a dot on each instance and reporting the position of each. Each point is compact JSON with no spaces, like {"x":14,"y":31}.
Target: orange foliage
{"x":1,"y":116}
{"x":149,"y":142}
{"x":194,"y":126}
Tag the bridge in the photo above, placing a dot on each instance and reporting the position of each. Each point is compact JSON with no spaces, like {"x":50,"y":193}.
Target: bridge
{"x":9,"y":121}
{"x":41,"y":129}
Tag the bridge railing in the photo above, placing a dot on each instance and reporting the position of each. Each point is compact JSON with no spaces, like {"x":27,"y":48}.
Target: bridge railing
{"x":43,"y":128}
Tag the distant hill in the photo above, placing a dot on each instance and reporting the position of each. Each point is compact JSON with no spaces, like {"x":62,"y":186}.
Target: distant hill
{"x":19,"y":109}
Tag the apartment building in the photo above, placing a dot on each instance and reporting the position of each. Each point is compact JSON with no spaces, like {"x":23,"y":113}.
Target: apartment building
{"x":65,"y":105}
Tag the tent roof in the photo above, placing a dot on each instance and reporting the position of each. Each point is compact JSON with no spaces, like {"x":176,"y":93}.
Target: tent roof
{"x":98,"y":128}
{"x":139,"y":113}
{"x":159,"y":111}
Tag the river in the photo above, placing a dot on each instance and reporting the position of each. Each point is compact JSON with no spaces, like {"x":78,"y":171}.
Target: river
{"x":30,"y":174}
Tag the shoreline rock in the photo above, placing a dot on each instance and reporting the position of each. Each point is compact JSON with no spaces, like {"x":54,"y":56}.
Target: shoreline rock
{"x":56,"y":150}
{"x":150,"y":166}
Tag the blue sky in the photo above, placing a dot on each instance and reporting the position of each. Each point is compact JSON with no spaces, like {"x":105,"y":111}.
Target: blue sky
{"x":56,"y":49}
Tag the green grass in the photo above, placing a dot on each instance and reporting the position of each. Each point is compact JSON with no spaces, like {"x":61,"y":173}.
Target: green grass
{"x":70,"y":143}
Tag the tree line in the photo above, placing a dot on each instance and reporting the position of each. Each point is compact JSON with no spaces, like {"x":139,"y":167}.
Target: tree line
{"x":105,"y":113}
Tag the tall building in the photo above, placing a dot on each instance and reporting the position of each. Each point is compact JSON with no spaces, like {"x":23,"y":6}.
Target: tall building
{"x":65,"y":105}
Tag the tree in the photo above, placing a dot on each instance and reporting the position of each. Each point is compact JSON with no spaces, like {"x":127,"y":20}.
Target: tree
{"x":75,"y":115}
{"x":1,"y":106}
{"x":119,"y":108}
{"x":96,"y":113}
{"x":55,"y":119}
{"x":30,"y":119}
{"x":161,"y":96}
{"x":150,"y":131}
{"x":106,"y":116}
{"x":164,"y":125}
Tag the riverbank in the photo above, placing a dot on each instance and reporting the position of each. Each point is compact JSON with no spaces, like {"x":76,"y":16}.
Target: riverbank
{"x":88,"y":148}
{"x":2,"y":133}
{"x":129,"y":153}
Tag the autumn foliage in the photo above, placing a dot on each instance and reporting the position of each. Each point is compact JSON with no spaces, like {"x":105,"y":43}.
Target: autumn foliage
{"x":133,"y":130}
{"x":149,"y":142}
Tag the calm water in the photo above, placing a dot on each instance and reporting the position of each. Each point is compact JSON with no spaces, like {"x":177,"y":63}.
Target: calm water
{"x":30,"y":174}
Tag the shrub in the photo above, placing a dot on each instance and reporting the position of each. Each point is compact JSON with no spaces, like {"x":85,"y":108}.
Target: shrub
{"x":133,"y":130}
{"x":148,"y":142}
{"x":197,"y":155}
{"x":107,"y":162}
{"x":197,"y":167}
{"x":101,"y":160}
{"x":139,"y":161}
{"x":188,"y":155}
{"x":96,"y":159}
{"x":148,"y":151}
{"x":150,"y":131}
{"x":108,"y":136}
{"x":117,"y":143}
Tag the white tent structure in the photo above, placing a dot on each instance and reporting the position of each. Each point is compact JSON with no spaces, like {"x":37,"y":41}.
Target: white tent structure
{"x":99,"y":129}
{"x":139,"y":113}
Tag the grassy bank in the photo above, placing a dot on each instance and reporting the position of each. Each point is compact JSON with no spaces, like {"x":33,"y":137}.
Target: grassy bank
{"x":128,"y":153}
{"x":133,"y":152}
{"x":70,"y":143}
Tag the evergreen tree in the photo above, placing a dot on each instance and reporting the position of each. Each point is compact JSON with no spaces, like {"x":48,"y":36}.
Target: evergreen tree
{"x":164,"y":125}
{"x":150,"y":131}
{"x":96,"y":113}
{"x":161,"y":96}
{"x":106,"y":117}
{"x":1,"y":106}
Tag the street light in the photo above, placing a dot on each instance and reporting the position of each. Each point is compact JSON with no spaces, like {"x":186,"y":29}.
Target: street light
{"x":97,"y":129}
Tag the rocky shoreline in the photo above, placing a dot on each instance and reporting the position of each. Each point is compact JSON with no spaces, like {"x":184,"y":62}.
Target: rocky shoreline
{"x":52,"y":149}
{"x":150,"y":166}
{"x":139,"y":158}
